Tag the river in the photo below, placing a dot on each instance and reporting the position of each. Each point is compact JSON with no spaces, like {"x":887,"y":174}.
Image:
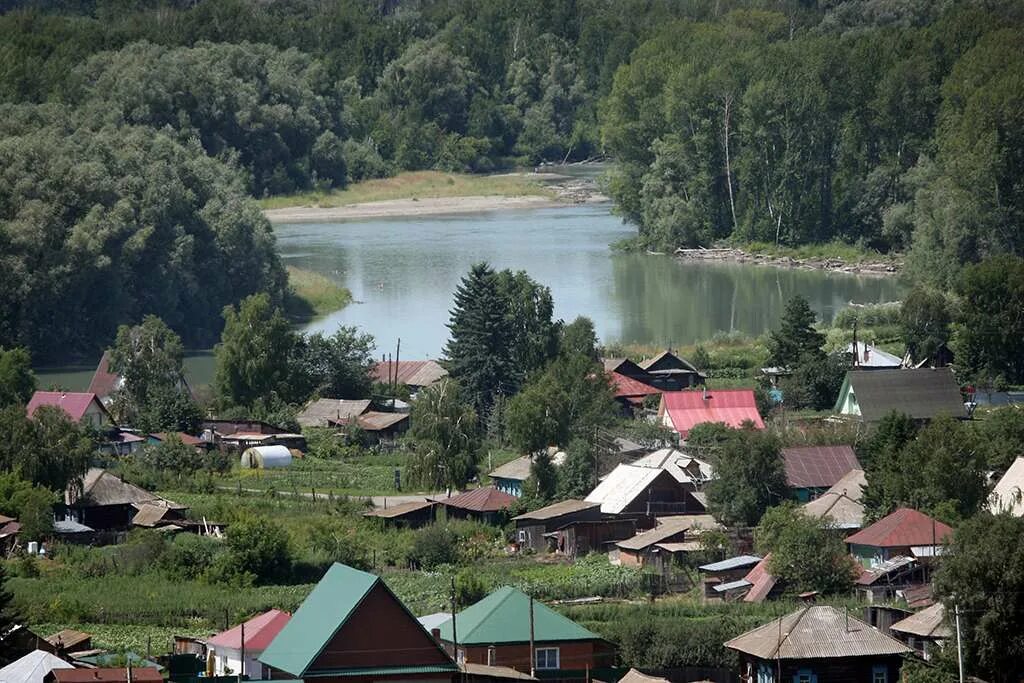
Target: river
{"x":402,"y":273}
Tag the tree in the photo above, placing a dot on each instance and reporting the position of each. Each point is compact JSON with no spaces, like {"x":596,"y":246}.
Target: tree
{"x":815,"y":380}
{"x":541,"y":487}
{"x":990,"y":326}
{"x":982,"y":576}
{"x":533,"y":336}
{"x":1000,"y":434}
{"x":806,"y":554}
{"x":17,"y":381}
{"x":445,"y":438}
{"x":150,"y":360}
{"x":888,"y":438}
{"x":749,"y":477}
{"x":254,"y":357}
{"x":924,"y":322}
{"x":31,"y":505}
{"x":48,"y":449}
{"x":8,"y":619}
{"x":941,"y":472}
{"x":578,"y":475}
{"x":339,"y":544}
{"x":796,"y":337}
{"x":259,"y":547}
{"x":337,"y":366}
{"x":578,"y":338}
{"x":478,"y":354}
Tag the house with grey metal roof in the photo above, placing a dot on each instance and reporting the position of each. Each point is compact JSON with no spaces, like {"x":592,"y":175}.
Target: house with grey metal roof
{"x":840,"y":507}
{"x":818,"y":643}
{"x":925,"y":631}
{"x":532,"y":527}
{"x":870,"y":395}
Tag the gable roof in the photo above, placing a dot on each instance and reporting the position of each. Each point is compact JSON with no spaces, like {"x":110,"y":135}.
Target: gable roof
{"x":555,"y":510}
{"x":321,"y":615}
{"x":504,"y":617}
{"x":921,"y":394}
{"x":841,"y":503}
{"x":100,"y":487}
{"x":33,"y":667}
{"x":628,"y":387}
{"x":666,"y":528}
{"x":761,"y":581}
{"x":517,"y":470}
{"x":74,"y":403}
{"x":622,"y":486}
{"x":400,"y":510}
{"x":731,"y":407}
{"x":374,"y":421}
{"x":320,"y":412}
{"x":259,"y":632}
{"x":668,"y":363}
{"x":483,"y":499}
{"x":928,"y":623}
{"x":104,"y":380}
{"x":686,"y":469}
{"x":414,"y":373}
{"x":1008,"y":494}
{"x":903,"y":528}
{"x":817,"y":631}
{"x":817,"y":466}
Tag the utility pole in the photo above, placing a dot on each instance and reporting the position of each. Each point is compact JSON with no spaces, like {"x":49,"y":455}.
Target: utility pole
{"x":242,"y":667}
{"x":959,"y":647}
{"x":455,"y":635}
{"x":533,"y":652}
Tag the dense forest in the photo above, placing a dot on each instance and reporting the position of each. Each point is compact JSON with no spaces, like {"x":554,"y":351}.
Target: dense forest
{"x":135,"y":135}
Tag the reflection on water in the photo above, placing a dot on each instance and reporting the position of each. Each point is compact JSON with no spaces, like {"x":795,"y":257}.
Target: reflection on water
{"x":404,"y":271}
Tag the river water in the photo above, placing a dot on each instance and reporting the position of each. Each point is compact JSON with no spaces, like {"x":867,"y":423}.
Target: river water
{"x":403,"y":271}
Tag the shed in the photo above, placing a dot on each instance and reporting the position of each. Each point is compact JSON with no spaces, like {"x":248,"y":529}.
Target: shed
{"x":582,"y":537}
{"x":721,"y":578}
{"x":413,"y":514}
{"x":925,"y":631}
{"x":32,"y":668}
{"x":532,"y":527}
{"x":69,"y":640}
{"x":266,"y":457}
{"x":383,"y":427}
{"x":653,"y":545}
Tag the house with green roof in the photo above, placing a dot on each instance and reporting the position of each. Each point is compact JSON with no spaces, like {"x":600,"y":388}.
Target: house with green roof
{"x":352,"y":628}
{"x":496,"y":632}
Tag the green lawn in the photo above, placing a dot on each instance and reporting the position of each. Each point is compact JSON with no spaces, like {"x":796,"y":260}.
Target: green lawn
{"x":315,"y":294}
{"x":414,"y":185}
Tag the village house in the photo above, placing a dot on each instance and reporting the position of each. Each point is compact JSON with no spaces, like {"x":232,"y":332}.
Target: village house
{"x":866,"y":356}
{"x":870,"y":395}
{"x":237,"y":651}
{"x":510,"y":476}
{"x":657,"y":547}
{"x":811,"y":470}
{"x":903,"y":533}
{"x":485,"y":504}
{"x":383,"y":428}
{"x":68,"y":641}
{"x":33,"y":667}
{"x":725,"y":579}
{"x":104,"y":501}
{"x":669,"y":372}
{"x":888,"y":580}
{"x":818,"y":644}
{"x":414,"y":375}
{"x":532,"y":529}
{"x":579,"y":538}
{"x":105,"y":382}
{"x":926,"y":631}
{"x":496,"y":632}
{"x":352,"y":628}
{"x":681,"y":411}
{"x":81,"y":407}
{"x":323,"y":412}
{"x":412,"y":514}
{"x":1008,"y":494}
{"x":638,"y":490}
{"x":840,"y":506}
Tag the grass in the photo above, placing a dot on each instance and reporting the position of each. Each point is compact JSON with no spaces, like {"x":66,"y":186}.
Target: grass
{"x":354,"y":477}
{"x":850,"y":253}
{"x":315,"y":294}
{"x":413,"y":185}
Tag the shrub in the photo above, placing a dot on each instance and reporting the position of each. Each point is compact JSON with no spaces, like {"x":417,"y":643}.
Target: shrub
{"x":258,"y":547}
{"x":433,"y":546}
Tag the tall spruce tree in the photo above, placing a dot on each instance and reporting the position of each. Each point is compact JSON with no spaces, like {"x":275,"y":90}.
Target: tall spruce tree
{"x":796,"y":336}
{"x":478,"y":352}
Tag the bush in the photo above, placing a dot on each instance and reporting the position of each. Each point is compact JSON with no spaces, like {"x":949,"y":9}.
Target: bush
{"x":433,"y":546}
{"x":189,"y":555}
{"x":257,"y":547}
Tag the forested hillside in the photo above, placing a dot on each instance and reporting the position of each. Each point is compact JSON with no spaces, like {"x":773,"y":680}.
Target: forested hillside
{"x":135,"y":134}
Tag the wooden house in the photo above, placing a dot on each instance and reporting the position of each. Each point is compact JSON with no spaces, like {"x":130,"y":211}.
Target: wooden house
{"x":636,"y":490}
{"x":672,"y":373}
{"x":658,"y":546}
{"x":485,"y":504}
{"x":818,"y":644}
{"x":414,"y":375}
{"x":926,"y":631}
{"x":532,"y":528}
{"x":104,"y":501}
{"x":496,"y":631}
{"x":870,"y":395}
{"x":412,"y":514}
{"x":82,"y":407}
{"x":903,"y":533}
{"x":579,"y":538}
{"x":324,"y":411}
{"x":352,"y":628}
{"x":840,"y":506}
{"x":812,"y":470}
{"x":681,"y":411}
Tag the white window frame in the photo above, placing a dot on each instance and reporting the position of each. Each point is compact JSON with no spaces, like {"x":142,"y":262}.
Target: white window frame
{"x":879,"y":674}
{"x":546,"y":666}
{"x":521,"y":535}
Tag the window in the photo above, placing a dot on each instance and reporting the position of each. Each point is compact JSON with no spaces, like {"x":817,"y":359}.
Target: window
{"x":547,"y":657}
{"x":460,"y":656}
{"x":805,"y":676}
{"x":522,"y":535}
{"x":879,"y":674}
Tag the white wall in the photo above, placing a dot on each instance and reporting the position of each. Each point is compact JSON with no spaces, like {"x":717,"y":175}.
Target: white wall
{"x":227,"y":658}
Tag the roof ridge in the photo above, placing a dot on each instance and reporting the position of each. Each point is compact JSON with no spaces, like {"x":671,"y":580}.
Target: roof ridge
{"x":789,"y":632}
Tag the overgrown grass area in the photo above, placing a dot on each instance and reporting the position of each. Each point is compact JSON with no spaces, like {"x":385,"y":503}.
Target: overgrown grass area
{"x":850,"y":253}
{"x":361,"y":476}
{"x":314,"y":294}
{"x":414,"y":185}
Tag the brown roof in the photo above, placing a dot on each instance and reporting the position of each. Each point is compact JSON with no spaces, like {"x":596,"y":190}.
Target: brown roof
{"x":320,"y":412}
{"x":399,"y":510}
{"x":104,"y":380}
{"x":761,"y":581}
{"x":375,"y":422}
{"x":100,"y":487}
{"x":186,"y":439}
{"x":413,"y":373}
{"x":668,"y":527}
{"x":814,"y":632}
{"x":902,"y":529}
{"x":150,"y":515}
{"x":817,"y":466}
{"x":488,"y":671}
{"x":928,"y":623}
{"x":634,"y":676}
{"x":107,"y":675}
{"x":484,"y":499}
{"x":921,"y":394}
{"x":67,"y":639}
{"x":554,"y":510}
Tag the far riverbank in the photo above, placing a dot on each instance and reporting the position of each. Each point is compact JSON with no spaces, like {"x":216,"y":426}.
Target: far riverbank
{"x":815,"y":257}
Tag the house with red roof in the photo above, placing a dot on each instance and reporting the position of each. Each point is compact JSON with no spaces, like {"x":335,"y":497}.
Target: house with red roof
{"x":681,"y":411}
{"x":81,"y":407}
{"x":485,"y":504}
{"x":812,"y":470}
{"x":237,"y":650}
{"x":904,"y":533}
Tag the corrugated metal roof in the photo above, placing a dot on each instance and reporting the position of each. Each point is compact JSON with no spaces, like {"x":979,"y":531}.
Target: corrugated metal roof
{"x":668,"y":527}
{"x":928,"y":623}
{"x":483,"y":499}
{"x":921,"y":394}
{"x":517,"y":470}
{"x":680,"y":546}
{"x":374,"y":421}
{"x":104,"y":380}
{"x":71,"y":402}
{"x":634,"y":676}
{"x":1008,"y":494}
{"x":33,"y":667}
{"x":903,"y":528}
{"x":761,"y":581}
{"x":321,"y":412}
{"x":841,"y":504}
{"x":565,"y":507}
{"x":259,"y":632}
{"x":731,"y":586}
{"x":895,"y":565}
{"x":487,"y":671}
{"x":818,"y":631}
{"x":622,"y":486}
{"x":818,"y":466}
{"x":400,"y":509}
{"x":413,"y":373}
{"x":737,"y":562}
{"x":686,"y":469}
{"x":504,"y":617}
{"x":731,"y":407}
{"x":627,"y":386}
{"x":432,"y":621}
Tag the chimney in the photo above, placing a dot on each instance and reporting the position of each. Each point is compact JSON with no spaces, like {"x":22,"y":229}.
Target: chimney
{"x":435,"y":633}
{"x":706,"y":397}
{"x":491,"y":655}
{"x":867,"y":353}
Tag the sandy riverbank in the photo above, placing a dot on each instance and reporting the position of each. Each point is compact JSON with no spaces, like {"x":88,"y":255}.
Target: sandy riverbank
{"x":426,"y":206}
{"x":867,"y":267}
